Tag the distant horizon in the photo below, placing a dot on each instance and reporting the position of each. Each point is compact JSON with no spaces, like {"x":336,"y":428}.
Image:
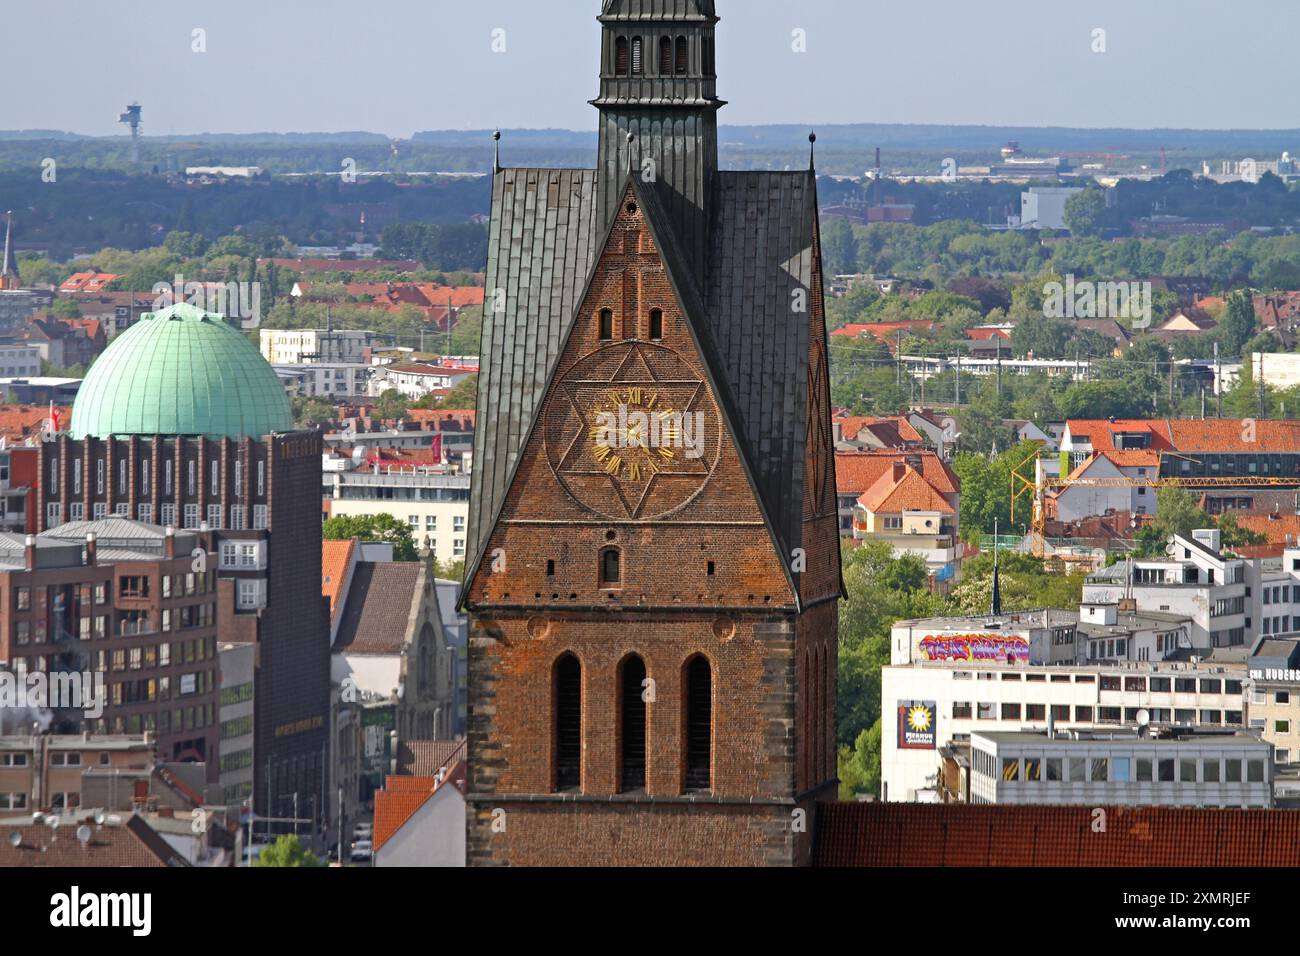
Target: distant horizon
{"x":248,"y":67}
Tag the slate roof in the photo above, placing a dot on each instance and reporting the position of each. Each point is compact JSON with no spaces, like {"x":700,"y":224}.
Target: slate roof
{"x":657,"y":9}
{"x":378,"y":608}
{"x":930,"y":835}
{"x":541,"y":246}
{"x":424,"y":758}
{"x":755,"y":346}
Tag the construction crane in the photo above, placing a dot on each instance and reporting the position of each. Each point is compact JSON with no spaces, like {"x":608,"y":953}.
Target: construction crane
{"x":1023,"y":486}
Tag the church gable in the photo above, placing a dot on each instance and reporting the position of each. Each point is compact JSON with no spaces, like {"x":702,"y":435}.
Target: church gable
{"x":631,"y":431}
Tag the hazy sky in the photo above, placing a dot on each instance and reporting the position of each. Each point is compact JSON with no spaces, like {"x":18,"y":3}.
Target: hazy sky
{"x":397,"y":66}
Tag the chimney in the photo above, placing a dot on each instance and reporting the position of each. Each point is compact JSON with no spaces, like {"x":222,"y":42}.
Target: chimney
{"x":29,"y":552}
{"x":169,"y":542}
{"x":90,"y":548}
{"x":900,"y":469}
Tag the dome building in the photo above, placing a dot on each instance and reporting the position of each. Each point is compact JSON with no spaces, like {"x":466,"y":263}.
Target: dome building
{"x":181,"y":423}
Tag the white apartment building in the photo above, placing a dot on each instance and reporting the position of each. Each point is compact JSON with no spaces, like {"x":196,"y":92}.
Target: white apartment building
{"x":1195,"y":581}
{"x":926,"y":706}
{"x":311,"y":346}
{"x":20,"y":361}
{"x":1043,"y":207}
{"x":326,"y":379}
{"x":418,"y":379}
{"x":1115,"y":768}
{"x":434,"y":505}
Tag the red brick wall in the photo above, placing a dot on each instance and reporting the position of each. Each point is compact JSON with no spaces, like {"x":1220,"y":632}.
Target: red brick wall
{"x":743,"y":618}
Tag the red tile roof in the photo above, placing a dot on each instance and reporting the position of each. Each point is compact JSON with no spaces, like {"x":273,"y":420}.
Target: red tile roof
{"x":911,"y":492}
{"x":893,"y":431}
{"x":335,"y":556}
{"x":402,"y":796}
{"x":131,"y":842}
{"x":931,"y":835}
{"x":87,"y":281}
{"x":857,"y":471}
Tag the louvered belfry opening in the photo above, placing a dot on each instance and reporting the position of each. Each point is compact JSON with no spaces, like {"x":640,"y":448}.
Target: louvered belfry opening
{"x":636,"y":56}
{"x":620,"y":56}
{"x":568,"y":723}
{"x":665,"y":56}
{"x":632,"y":716}
{"x":683,"y":56}
{"x":699,"y":724}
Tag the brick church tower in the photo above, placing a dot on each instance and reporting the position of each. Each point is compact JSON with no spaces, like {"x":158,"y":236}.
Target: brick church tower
{"x":654,"y":548}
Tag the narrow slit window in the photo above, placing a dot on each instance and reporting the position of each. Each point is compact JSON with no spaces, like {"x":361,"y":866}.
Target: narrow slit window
{"x":606,"y":324}
{"x":632,"y":713}
{"x":550,"y":569}
{"x":568,"y":723}
{"x":699,"y":725}
{"x":656,"y":325}
{"x":712,"y":569}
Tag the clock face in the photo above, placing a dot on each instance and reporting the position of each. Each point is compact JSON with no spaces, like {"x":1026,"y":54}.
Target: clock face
{"x":632,"y":431}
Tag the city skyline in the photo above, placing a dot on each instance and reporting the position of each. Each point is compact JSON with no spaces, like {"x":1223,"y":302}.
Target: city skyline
{"x":1017,"y":66}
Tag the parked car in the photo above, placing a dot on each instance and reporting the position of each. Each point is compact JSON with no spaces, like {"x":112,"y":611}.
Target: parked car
{"x":363,"y":831}
{"x":362,"y":852}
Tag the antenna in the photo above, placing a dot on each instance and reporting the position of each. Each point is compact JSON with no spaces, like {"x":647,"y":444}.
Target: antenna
{"x":132,"y":119}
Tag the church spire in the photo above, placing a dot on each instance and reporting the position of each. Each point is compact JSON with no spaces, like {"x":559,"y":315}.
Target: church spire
{"x":658,"y":87}
{"x":9,"y":265}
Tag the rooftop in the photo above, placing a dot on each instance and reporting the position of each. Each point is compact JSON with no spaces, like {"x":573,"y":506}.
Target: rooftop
{"x":181,"y":371}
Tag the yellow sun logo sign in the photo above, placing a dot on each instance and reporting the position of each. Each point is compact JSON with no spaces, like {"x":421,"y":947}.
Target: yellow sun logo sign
{"x":918,"y":718}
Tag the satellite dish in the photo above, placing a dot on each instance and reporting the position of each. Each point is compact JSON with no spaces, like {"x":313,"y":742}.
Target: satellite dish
{"x":99,"y":818}
{"x":53,"y":821}
{"x":1143,"y":717}
{"x":83,"y":834}
{"x":16,"y":839}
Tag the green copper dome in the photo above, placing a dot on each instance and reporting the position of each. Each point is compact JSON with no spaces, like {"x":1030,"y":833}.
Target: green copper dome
{"x":181,"y":371}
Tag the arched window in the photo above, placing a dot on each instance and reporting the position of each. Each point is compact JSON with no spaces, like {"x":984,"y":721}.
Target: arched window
{"x":568,"y":723}
{"x":611,"y":568}
{"x":683,"y":58}
{"x":656,"y":324}
{"x":636,"y":56}
{"x":815,"y":741}
{"x":822,"y":687}
{"x":806,"y":704}
{"x":698,"y":696}
{"x":665,"y":56}
{"x":632,"y":719}
{"x":620,"y":56}
{"x":606,"y":324}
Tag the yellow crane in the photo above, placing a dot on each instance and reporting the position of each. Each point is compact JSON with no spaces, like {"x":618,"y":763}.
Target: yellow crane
{"x":1022,"y":486}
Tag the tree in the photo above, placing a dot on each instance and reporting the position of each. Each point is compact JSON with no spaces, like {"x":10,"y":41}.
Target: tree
{"x":376,"y":527}
{"x":1084,"y":212}
{"x":392,"y":405}
{"x":311,"y":411}
{"x":1177,"y":513}
{"x":1042,"y":337}
{"x":840,"y":247}
{"x":463,"y":396}
{"x":287,"y":851}
{"x":1238,"y":325}
{"x":1232,"y":535}
{"x":859,"y":768}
